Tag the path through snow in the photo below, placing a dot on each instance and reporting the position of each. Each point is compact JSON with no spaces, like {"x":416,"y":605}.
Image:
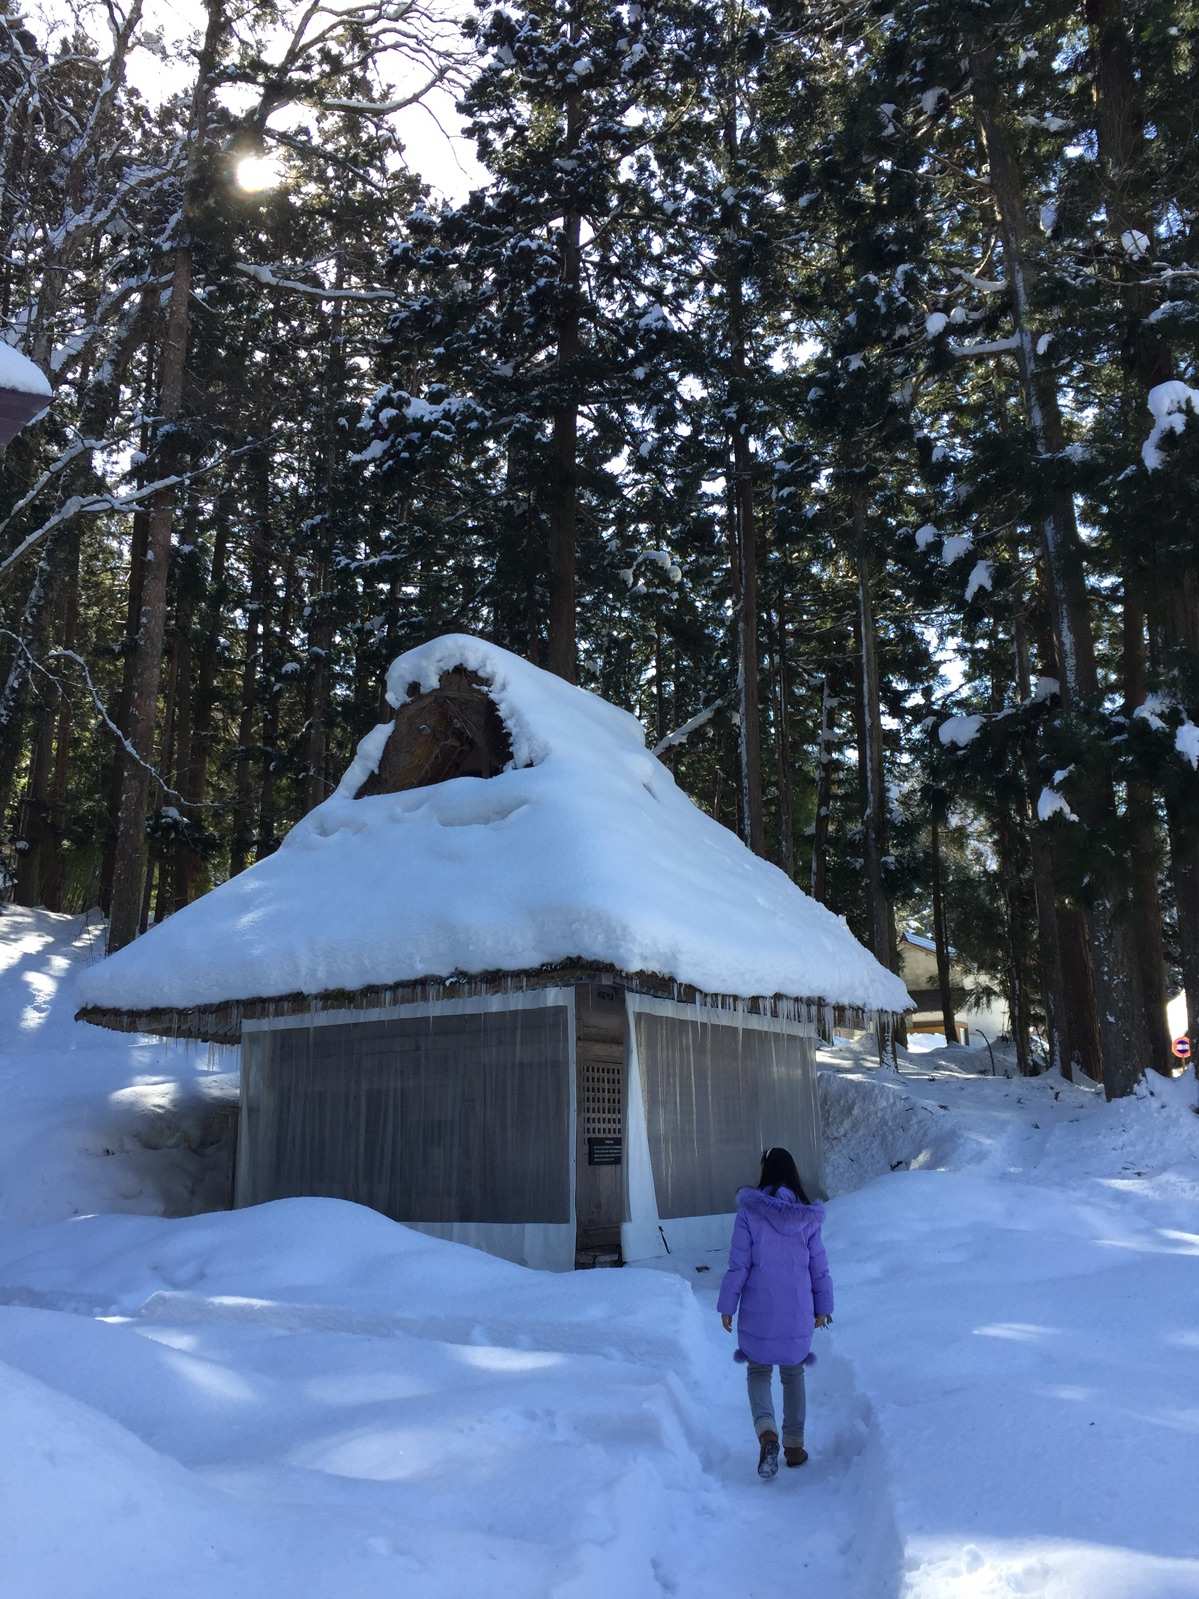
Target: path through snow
{"x":387,"y":1409}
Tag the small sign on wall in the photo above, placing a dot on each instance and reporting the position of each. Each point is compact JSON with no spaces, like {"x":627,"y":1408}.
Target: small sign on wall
{"x":605,"y":1151}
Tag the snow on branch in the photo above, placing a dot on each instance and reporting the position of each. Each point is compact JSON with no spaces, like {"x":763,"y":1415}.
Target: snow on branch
{"x":1170,"y":404}
{"x":71,"y":453}
{"x":266,"y":276}
{"x":64,"y":654}
{"x":659,"y":558}
{"x":981,"y":577}
{"x":387,"y":108}
{"x":682,"y":734}
{"x":959,"y":731}
{"x":985,"y":347}
{"x":983,"y":285}
{"x":1051,"y":803}
{"x":103,"y":504}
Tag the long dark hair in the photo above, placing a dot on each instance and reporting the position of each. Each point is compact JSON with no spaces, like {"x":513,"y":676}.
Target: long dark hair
{"x":780,"y":1171}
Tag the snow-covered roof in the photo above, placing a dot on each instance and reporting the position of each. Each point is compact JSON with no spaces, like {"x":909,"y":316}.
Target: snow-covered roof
{"x":24,"y":391}
{"x":18,"y":372}
{"x":584,"y":848}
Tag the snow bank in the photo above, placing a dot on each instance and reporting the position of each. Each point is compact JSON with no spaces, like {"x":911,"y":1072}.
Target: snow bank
{"x":18,"y":372}
{"x":1020,"y":1324}
{"x":326,"y":1263}
{"x":873,"y":1127}
{"x":585,"y":849}
{"x":312,"y":1400}
{"x":306,"y":1398}
{"x":96,"y":1120}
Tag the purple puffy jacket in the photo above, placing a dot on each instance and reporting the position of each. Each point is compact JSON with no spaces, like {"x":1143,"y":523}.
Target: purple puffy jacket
{"x":778,"y":1277}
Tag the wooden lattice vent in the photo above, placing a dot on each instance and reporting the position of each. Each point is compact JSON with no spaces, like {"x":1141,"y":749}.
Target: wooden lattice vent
{"x":453,"y":731}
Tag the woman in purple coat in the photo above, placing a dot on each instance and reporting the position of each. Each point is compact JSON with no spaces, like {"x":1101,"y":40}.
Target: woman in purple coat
{"x":779,"y":1286}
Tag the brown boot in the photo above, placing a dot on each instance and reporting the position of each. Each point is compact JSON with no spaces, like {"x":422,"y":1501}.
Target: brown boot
{"x":795,"y":1454}
{"x":768,"y":1459}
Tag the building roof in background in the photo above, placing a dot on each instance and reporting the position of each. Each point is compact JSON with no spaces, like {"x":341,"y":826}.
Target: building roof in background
{"x":922,"y":941}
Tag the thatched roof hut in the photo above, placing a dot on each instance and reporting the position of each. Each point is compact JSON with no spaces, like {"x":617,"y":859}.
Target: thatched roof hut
{"x":505,"y":893}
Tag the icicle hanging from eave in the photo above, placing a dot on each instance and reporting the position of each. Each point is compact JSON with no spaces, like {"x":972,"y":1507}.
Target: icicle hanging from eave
{"x":222,"y":1024}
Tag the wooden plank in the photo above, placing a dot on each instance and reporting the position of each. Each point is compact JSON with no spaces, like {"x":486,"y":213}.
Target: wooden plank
{"x":604,"y":1049}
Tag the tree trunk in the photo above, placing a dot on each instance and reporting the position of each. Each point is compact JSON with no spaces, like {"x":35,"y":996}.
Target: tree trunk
{"x":170,"y":874}
{"x":660,"y":722}
{"x":1184,"y":876}
{"x":54,"y":871}
{"x":1142,"y":829}
{"x":120,"y":757}
{"x":268,"y":821}
{"x":242,"y":840}
{"x":186,"y":862}
{"x":1083,"y":1035}
{"x":145,"y":663}
{"x":34,"y":834}
{"x":1049,"y":954}
{"x":874,"y":799}
{"x":1012,"y":850}
{"x":168,"y":767}
{"x":129,"y":858}
{"x":746,"y":586}
{"x":1173,"y":591}
{"x":1110,"y":959}
{"x":1177,"y":632}
{"x":941,"y":937}
{"x":782,"y":680}
{"x":1120,"y":128}
{"x":31,"y":633}
{"x":824,"y":785}
{"x":320,"y":687}
{"x":33,"y":828}
{"x":319,"y":696}
{"x":562,"y":655}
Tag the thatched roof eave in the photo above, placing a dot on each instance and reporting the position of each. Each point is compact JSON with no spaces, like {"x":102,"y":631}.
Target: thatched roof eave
{"x":221,"y":1023}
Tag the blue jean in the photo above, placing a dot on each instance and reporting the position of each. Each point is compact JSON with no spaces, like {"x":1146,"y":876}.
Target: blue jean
{"x":761,"y":1402}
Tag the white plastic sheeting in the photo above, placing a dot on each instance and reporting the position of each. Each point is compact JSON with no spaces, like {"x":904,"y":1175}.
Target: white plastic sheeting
{"x":708,"y":1090}
{"x":455,"y":1118}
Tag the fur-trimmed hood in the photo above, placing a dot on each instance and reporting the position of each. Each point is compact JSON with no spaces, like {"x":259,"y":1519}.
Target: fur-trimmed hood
{"x":784,"y":1211}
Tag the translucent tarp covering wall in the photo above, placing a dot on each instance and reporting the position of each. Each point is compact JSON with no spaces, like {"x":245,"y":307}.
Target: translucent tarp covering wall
{"x":444,"y":1118}
{"x":715,"y":1097}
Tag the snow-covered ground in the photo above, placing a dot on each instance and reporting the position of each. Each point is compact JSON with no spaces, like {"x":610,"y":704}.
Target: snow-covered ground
{"x":307,"y":1400}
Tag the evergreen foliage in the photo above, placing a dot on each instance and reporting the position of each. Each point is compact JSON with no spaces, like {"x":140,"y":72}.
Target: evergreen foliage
{"x":821,"y":374}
